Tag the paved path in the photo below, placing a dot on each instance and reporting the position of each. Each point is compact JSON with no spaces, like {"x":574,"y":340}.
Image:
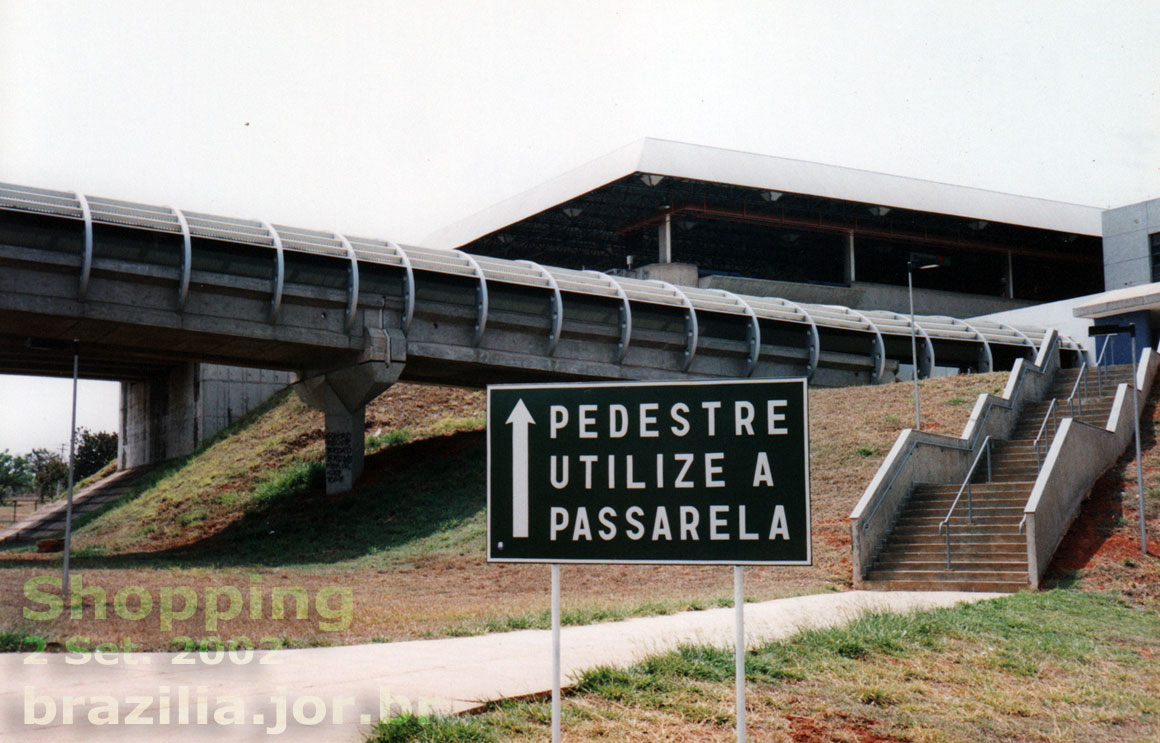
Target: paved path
{"x":342,"y":689}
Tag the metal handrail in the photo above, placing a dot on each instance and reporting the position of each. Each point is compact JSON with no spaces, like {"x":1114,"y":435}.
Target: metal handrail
{"x":1049,"y":415}
{"x":945,"y":525}
{"x":1074,"y":402}
{"x":1109,"y":340}
{"x":1007,"y":404}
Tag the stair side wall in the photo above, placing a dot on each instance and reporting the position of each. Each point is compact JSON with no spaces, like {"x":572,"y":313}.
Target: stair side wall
{"x":1077,"y":457}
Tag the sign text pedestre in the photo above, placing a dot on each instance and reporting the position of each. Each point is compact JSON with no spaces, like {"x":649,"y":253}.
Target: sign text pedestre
{"x":662,"y":473}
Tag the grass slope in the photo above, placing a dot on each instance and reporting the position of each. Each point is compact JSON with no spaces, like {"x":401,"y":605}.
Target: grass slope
{"x":408,"y":540}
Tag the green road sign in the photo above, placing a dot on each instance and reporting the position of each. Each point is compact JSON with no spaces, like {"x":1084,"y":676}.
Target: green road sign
{"x":673,"y":472}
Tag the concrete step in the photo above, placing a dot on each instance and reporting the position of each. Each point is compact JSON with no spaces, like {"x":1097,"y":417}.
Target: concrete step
{"x":1030,"y":430}
{"x":1012,"y":473}
{"x":978,"y":507}
{"x":1038,"y":411}
{"x":978,"y":496}
{"x":1018,"y":457}
{"x":994,"y":507}
{"x":964,"y":573}
{"x":959,"y":518}
{"x":982,"y":586}
{"x":1014,"y":445}
{"x":962,"y":534}
{"x":1033,"y":415}
{"x":980,"y":551}
{"x":962,"y":537}
{"x":1023,"y":462}
{"x":959,"y":523}
{"x":982,"y":492}
{"x":943,"y":575}
{"x":49,"y":520}
{"x":1000,"y":489}
{"x":1093,"y":401}
{"x":937,"y":561}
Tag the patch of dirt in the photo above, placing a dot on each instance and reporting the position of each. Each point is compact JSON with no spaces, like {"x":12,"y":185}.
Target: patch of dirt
{"x":1102,"y":547}
{"x":415,"y":406}
{"x":816,"y":729}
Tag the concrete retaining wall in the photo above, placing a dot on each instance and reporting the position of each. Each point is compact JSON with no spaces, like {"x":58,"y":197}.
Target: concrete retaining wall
{"x":174,"y":411}
{"x":919,"y":457}
{"x":1077,"y":457}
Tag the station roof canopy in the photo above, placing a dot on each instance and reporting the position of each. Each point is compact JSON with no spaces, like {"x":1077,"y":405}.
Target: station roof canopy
{"x":1145,"y":297}
{"x":624,"y":190}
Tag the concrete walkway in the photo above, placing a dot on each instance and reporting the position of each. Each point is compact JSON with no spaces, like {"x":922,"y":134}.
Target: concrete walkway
{"x":336,"y":694}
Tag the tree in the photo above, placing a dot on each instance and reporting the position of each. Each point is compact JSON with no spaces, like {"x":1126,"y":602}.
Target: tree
{"x":15,"y":476}
{"x":94,"y":451}
{"x":49,"y":470}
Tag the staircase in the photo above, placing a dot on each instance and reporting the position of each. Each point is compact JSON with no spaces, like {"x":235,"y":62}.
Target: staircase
{"x":988,"y":554}
{"x":49,"y":520}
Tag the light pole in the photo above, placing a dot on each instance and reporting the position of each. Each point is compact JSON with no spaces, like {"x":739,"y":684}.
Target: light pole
{"x":1130,"y":329}
{"x":911,"y":265}
{"x":55,"y":346}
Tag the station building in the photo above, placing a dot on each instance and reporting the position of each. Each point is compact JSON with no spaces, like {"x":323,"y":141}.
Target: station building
{"x":803,"y":231}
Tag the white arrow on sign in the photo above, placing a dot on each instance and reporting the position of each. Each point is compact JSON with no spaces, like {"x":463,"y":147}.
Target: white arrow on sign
{"x":519,"y":420}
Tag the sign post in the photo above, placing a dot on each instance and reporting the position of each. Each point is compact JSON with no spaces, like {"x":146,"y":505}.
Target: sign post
{"x":739,"y":647}
{"x":704,"y":472}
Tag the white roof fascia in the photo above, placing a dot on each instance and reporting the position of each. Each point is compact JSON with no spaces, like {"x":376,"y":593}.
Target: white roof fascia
{"x":1120,"y":301}
{"x":590,"y":176}
{"x":698,"y":162}
{"x":850,"y":184}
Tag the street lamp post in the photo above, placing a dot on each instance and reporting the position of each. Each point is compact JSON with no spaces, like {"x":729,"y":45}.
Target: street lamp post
{"x":911,"y":265}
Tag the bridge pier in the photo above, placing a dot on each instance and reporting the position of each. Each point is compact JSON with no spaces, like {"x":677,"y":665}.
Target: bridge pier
{"x":342,"y":396}
{"x":173,"y":411}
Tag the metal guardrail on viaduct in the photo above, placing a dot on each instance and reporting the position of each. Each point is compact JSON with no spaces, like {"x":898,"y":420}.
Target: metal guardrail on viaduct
{"x":144,"y":287}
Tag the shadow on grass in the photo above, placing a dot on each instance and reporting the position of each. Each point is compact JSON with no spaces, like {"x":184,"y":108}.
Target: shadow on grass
{"x":408,"y":492}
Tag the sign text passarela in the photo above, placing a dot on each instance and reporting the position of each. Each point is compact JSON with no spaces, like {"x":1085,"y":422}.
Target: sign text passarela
{"x":680,"y":472}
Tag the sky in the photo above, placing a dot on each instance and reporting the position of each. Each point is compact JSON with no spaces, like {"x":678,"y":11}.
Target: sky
{"x":392,"y":119}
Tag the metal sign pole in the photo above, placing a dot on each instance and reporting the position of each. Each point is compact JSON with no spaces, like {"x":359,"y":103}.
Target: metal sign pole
{"x":72,"y":443}
{"x":555,"y":653}
{"x":739,"y":647}
{"x":913,"y":344}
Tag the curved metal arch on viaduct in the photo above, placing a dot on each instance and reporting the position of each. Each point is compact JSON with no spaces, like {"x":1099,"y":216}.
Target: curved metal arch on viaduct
{"x":142,"y":286}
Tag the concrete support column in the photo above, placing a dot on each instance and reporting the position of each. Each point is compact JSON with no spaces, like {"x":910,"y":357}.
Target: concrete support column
{"x":344,"y":442}
{"x":172,"y":412}
{"x":159,"y":417}
{"x":849,"y":274}
{"x":665,"y":240}
{"x":342,"y":395}
{"x":1010,"y":275}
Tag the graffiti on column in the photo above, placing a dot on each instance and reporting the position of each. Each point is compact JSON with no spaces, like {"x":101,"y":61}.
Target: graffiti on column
{"x":339,"y":456}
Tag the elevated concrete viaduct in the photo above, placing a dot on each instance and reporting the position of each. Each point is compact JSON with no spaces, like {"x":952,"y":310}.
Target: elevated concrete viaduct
{"x":146,"y":288}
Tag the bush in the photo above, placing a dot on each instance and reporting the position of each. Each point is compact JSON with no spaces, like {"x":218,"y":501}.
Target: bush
{"x":94,"y":451}
{"x":15,"y":475}
{"x":49,"y":471}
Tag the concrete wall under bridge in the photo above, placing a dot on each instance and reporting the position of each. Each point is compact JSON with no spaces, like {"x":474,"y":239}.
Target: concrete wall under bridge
{"x":173,"y":411}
